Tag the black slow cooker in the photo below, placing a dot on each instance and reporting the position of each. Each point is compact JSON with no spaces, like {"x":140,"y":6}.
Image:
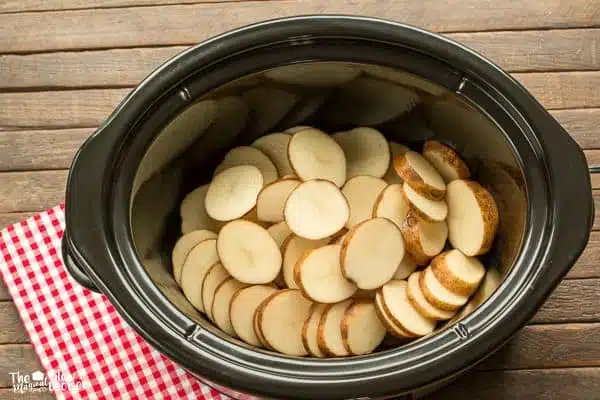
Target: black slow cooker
{"x":168,"y":134}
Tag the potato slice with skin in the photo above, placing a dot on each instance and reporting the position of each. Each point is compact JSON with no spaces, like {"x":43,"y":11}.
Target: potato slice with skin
{"x":310,"y":330}
{"x":275,"y":147}
{"x":258,"y":331}
{"x":233,"y":192}
{"x":214,"y":277}
{"x":490,"y":283}
{"x":193,"y":212}
{"x":362,"y":330}
{"x":279,"y":231}
{"x":316,"y":209}
{"x":362,"y":193}
{"x":423,"y":240}
{"x":472,"y":217}
{"x":315,"y":155}
{"x":319,"y":275}
{"x":391,"y":326}
{"x":184,"y":246}
{"x":367,"y":152}
{"x":281,"y":320}
{"x":371,"y":253}
{"x":416,"y":171}
{"x":418,"y":300}
{"x":394,"y":299}
{"x":437,"y":295}
{"x":199,"y":260}
{"x":396,"y":149}
{"x":272,"y":198}
{"x":329,"y":336}
{"x":429,"y":210}
{"x":407,"y":266}
{"x":446,"y":161}
{"x":242,"y":308}
{"x":391,"y":204}
{"x":248,"y":252}
{"x":221,"y":302}
{"x":247,"y":155}
{"x":457,"y":272}
{"x":293,"y":249}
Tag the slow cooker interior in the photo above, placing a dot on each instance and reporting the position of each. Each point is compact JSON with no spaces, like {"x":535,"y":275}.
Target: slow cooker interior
{"x":185,"y":153}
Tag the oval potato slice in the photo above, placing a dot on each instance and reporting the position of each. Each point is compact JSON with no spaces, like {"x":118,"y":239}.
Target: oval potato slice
{"x":446,"y":161}
{"x":184,"y":246}
{"x":362,"y":330}
{"x":457,"y":272}
{"x":310,"y":330}
{"x":242,"y":308}
{"x":233,"y":192}
{"x":362,"y":192}
{"x":329,"y":336}
{"x":437,"y":295}
{"x":293,"y":249}
{"x":279,"y":231}
{"x":367,"y":152}
{"x":429,"y":210}
{"x":200,"y":259}
{"x":396,"y":149}
{"x":490,"y":283}
{"x":417,"y":172}
{"x":214,"y":277}
{"x":257,"y":329}
{"x":407,"y":266}
{"x":275,"y":146}
{"x":472,"y":217}
{"x":423,"y":240}
{"x":391,"y":326}
{"x":193,"y":212}
{"x":272,"y":198}
{"x":418,"y":300}
{"x":221,"y":302}
{"x":391,"y":204}
{"x":247,"y":155}
{"x":395,"y":300}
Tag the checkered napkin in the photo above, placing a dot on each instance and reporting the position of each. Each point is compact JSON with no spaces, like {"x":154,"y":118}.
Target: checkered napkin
{"x":87,"y":350}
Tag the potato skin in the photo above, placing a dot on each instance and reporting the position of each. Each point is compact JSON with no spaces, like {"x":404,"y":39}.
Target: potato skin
{"x":489,"y":211}
{"x":410,"y":177}
{"x":449,"y":157}
{"x":412,"y":239}
{"x":442,"y":272}
{"x":434,"y":301}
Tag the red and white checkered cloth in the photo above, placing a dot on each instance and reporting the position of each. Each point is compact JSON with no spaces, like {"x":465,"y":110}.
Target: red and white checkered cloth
{"x":86,"y":348}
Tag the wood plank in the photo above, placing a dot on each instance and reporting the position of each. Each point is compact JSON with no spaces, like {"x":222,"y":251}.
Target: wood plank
{"x":12,"y":218}
{"x":592,"y":157}
{"x":3,"y":292}
{"x":582,"y":125}
{"x":31,"y":191}
{"x":14,"y":6}
{"x":9,"y":394}
{"x":596,"y":225}
{"x":17,"y":357}
{"x":11,"y":327}
{"x":588,"y":265}
{"x":186,"y":24}
{"x":574,"y":300}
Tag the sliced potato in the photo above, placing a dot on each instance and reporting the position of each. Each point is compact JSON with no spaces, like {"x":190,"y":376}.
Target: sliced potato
{"x":391,"y":204}
{"x":427,"y":209}
{"x":391,"y":326}
{"x":244,"y":304}
{"x":271,"y":199}
{"x":247,"y":155}
{"x":193,"y":212}
{"x":362,"y":193}
{"x":316,"y":209}
{"x":184,"y":246}
{"x":459,"y":273}
{"x":275,"y":147}
{"x":371,"y":253}
{"x":257,"y":329}
{"x":214,"y":277}
{"x":310,"y":330}
{"x":367,"y":152}
{"x":472,"y":217}
{"x":199,"y":260}
{"x":329,"y":336}
{"x":293,"y":249}
{"x":279,"y":231}
{"x":281,"y":320}
{"x":490,"y":283}
{"x":418,"y":300}
{"x":417,"y":172}
{"x":233,"y":192}
{"x":362,"y":330}
{"x":407,"y":266}
{"x":320,"y":74}
{"x":395,"y":300}
{"x":405,"y":79}
{"x":221,"y":304}
{"x":338,"y":237}
{"x":248,"y":252}
{"x":297,"y":128}
{"x":423,"y":240}
{"x":446,"y":161}
{"x":396,"y":149}
{"x":319,"y":275}
{"x":437,"y":294}
{"x":315,"y":155}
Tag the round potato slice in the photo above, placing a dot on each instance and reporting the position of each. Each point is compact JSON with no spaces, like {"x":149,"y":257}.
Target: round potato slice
{"x":362,"y":193}
{"x":418,"y":300}
{"x":297,"y":128}
{"x":329,"y":336}
{"x":458,"y":273}
{"x":362,"y":330}
{"x":367,"y":152}
{"x":199,"y":260}
{"x":248,"y":252}
{"x":391,"y":204}
{"x":271,"y":199}
{"x":490,"y":283}
{"x":242,"y":308}
{"x":193,"y":212}
{"x":315,"y":155}
{"x":371,"y":253}
{"x":448,"y":163}
{"x":184,"y":246}
{"x":310,"y":330}
{"x":275,"y":147}
{"x":281,"y":320}
{"x":423,"y":240}
{"x":396,"y":149}
{"x":429,"y":210}
{"x":293,"y":249}
{"x":279,"y":231}
{"x":257,"y":330}
{"x":395,"y":300}
{"x":437,"y":295}
{"x":391,"y":326}
{"x":472,"y":217}
{"x":417,"y":172}
{"x":233,"y":192}
{"x":221,"y":302}
{"x":316,"y":210}
{"x":247,"y":155}
{"x":214,"y":277}
{"x":319,"y":275}
{"x":407,"y":266}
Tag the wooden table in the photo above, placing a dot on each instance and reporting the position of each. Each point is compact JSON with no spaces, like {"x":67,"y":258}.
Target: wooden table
{"x":65,"y":64}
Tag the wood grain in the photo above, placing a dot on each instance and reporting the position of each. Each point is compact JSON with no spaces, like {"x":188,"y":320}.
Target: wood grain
{"x":13,"y":6}
{"x":9,"y":394}
{"x":186,"y":24}
{"x":17,"y":357}
{"x":582,"y":125}
{"x":9,"y":219}
{"x":588,"y":265}
{"x":12,"y":330}
{"x":582,"y":295}
{"x":31,"y":191}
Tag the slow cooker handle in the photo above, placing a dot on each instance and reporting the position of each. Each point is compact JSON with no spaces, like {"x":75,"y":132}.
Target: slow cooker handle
{"x":74,"y":270}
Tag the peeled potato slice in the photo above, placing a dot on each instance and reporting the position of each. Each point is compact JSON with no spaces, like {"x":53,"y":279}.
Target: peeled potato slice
{"x":391,"y":204}
{"x":214,"y":277}
{"x":395,"y":300}
{"x":437,"y":295}
{"x":293,"y":249}
{"x":275,"y":147}
{"x":279,"y":231}
{"x":362,"y":330}
{"x":446,"y":161}
{"x":316,"y":209}
{"x":396,"y":149}
{"x":391,"y":326}
{"x":193,"y":212}
{"x":472,"y":217}
{"x":417,"y":172}
{"x":418,"y":300}
{"x":271,"y":199}
{"x":221,"y":302}
{"x":362,"y":193}
{"x":319,"y":276}
{"x":233,"y":192}
{"x":371,"y":253}
{"x":184,"y":246}
{"x":490,"y":283}
{"x":310,"y":330}
{"x":458,"y":273}
{"x":247,"y":155}
{"x":281,"y":320}
{"x":367,"y":152}
{"x":407,"y":266}
{"x":329,"y":336}
{"x":429,"y":210}
{"x":199,"y":260}
{"x":315,"y":155}
{"x":244,"y":304}
{"x":423,"y":240}
{"x":248,"y":252}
